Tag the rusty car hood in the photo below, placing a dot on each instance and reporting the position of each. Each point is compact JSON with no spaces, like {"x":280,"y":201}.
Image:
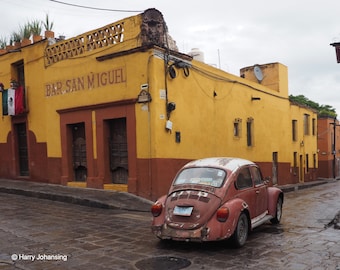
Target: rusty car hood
{"x":190,"y":208}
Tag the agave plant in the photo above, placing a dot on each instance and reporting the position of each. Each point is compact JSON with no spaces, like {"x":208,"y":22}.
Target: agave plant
{"x":35,"y":26}
{"x":16,"y":36}
{"x":3,"y":42}
{"x":48,"y":25}
{"x":25,"y":31}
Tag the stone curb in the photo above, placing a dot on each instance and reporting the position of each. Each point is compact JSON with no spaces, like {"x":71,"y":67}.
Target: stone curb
{"x":86,"y":197}
{"x":58,"y":197}
{"x":295,"y":187}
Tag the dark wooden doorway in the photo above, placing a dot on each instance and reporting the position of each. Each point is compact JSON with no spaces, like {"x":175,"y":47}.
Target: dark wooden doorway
{"x":79,"y":152}
{"x":118,"y":151}
{"x":21,"y":134}
{"x":275,"y":167}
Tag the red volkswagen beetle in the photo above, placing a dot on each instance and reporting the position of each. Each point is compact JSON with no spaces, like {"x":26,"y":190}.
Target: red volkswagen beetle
{"x":214,"y":199}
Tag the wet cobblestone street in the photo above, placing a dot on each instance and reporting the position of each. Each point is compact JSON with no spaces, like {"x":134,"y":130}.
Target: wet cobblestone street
{"x":68,"y":236}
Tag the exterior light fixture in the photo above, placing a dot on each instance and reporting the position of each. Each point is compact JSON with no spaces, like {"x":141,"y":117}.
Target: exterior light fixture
{"x":171,"y":107}
{"x":144,"y":95}
{"x":337,"y":50}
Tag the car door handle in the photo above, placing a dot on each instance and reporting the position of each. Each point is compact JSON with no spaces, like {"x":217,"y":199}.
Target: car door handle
{"x":257,"y":192}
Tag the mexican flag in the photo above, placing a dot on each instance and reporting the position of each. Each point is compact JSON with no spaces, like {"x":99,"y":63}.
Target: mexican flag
{"x":13,"y":101}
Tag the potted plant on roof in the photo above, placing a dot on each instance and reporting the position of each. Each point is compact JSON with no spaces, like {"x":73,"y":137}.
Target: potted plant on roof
{"x":16,"y":37}
{"x":48,"y":25}
{"x":36,"y":30}
{"x":10,"y":46}
{"x":25,"y":34}
{"x":2,"y":45}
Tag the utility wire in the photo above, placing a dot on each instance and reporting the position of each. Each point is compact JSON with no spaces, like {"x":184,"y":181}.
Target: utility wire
{"x":103,"y":9}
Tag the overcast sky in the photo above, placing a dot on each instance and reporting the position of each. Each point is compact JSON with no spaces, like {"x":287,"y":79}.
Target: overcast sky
{"x":232,"y":34}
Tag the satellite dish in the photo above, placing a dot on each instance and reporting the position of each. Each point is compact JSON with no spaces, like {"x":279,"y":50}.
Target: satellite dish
{"x":258,"y":73}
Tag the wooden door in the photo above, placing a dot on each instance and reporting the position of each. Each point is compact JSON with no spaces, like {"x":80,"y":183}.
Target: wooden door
{"x":22,"y":149}
{"x":79,"y":152}
{"x":118,"y":151}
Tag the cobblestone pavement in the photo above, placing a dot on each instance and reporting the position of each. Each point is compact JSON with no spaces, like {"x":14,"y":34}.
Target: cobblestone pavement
{"x":69,"y":236}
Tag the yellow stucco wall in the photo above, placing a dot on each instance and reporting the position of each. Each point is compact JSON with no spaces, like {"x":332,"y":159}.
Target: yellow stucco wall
{"x":32,"y":57}
{"x":206,"y":121}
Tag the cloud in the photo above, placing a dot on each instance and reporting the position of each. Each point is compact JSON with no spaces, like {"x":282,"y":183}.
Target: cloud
{"x":232,"y":35}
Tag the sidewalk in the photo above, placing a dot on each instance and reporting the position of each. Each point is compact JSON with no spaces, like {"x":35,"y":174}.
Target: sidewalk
{"x":99,"y":197}
{"x":83,"y":196}
{"x":299,"y":186}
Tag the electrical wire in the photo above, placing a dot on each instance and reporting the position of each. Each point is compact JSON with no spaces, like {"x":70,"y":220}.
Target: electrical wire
{"x":220,"y":78}
{"x":94,"y":8}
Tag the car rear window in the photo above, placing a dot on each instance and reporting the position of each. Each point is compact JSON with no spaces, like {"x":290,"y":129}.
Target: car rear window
{"x":201,"y":176}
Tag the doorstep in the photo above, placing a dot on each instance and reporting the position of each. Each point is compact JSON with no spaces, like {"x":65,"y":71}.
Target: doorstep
{"x":77,"y":184}
{"x":116,"y":187}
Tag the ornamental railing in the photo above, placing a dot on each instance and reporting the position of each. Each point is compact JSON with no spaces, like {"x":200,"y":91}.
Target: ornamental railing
{"x":108,"y":35}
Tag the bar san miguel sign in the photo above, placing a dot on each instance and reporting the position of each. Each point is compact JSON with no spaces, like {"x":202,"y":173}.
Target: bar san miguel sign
{"x":87,"y":82}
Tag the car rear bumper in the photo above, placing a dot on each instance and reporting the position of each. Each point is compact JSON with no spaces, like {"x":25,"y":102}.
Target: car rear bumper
{"x":196,"y":235}
{"x":201,"y":234}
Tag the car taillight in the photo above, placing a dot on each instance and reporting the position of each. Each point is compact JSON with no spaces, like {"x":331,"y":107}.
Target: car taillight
{"x":222,"y":214}
{"x":156,"y":209}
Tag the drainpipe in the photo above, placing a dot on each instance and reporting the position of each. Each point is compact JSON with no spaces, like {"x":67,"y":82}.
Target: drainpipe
{"x":334,"y":148}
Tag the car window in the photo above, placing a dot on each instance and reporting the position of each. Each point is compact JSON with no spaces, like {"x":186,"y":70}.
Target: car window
{"x":244,"y":179}
{"x":257,"y":176}
{"x":201,"y":176}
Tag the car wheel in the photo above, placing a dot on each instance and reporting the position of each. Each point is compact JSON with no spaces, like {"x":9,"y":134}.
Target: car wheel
{"x":241,"y":232}
{"x":278,"y":213}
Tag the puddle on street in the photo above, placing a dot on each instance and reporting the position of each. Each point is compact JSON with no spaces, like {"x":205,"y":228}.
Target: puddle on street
{"x":163,"y":262}
{"x":270,"y":229}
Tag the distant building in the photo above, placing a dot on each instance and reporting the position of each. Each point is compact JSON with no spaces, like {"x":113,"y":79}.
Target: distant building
{"x":328,"y":147}
{"x":120,"y":108}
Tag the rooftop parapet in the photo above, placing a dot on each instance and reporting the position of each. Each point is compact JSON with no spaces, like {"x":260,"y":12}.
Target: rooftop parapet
{"x":146,"y":28}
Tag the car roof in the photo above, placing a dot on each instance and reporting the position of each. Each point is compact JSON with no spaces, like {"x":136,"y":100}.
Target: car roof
{"x":227,"y":163}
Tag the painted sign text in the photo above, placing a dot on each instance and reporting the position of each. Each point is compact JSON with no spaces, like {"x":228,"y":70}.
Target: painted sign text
{"x":86,"y":82}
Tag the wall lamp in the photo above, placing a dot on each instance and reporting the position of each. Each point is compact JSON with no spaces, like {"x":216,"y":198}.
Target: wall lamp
{"x":171,"y":106}
{"x":336,"y":45}
{"x":144,"y":95}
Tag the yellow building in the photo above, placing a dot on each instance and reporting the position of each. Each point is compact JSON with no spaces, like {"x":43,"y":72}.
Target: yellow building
{"x":119,"y":107}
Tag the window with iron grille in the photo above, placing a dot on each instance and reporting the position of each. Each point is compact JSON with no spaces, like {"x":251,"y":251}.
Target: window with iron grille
{"x":250,"y":131}
{"x":313,"y":126}
{"x":306,"y":124}
{"x":294,"y":130}
{"x":237,"y":127}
